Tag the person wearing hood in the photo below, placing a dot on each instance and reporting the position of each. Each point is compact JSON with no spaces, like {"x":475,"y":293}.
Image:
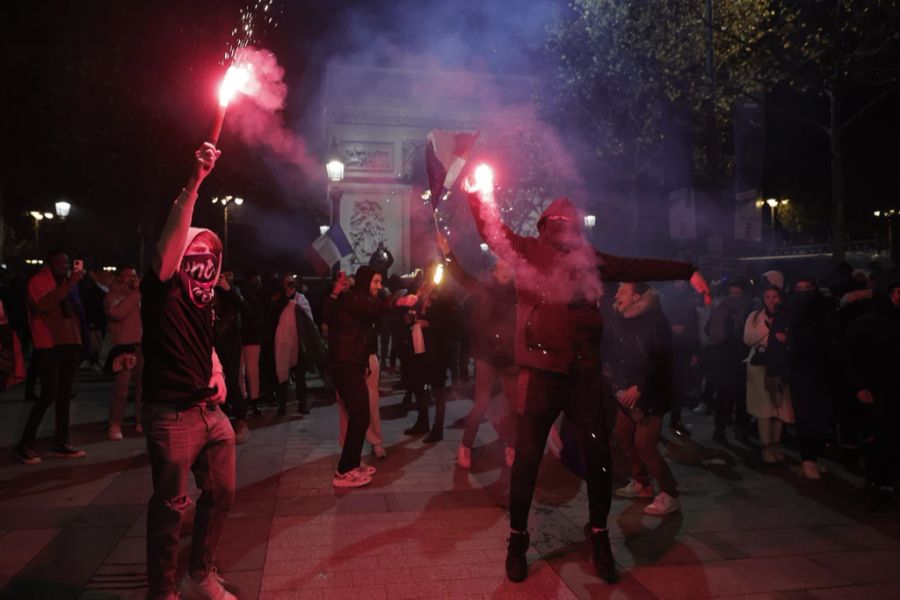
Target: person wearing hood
{"x":184,"y":388}
{"x":639,"y":363}
{"x":558,"y":332}
{"x":58,"y":336}
{"x":810,"y":335}
{"x":768,"y":397}
{"x":727,"y":354}
{"x":352,"y":315}
{"x":125,"y":360}
{"x":873,"y":352}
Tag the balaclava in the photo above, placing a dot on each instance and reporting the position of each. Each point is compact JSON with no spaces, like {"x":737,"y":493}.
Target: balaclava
{"x":201,"y":270}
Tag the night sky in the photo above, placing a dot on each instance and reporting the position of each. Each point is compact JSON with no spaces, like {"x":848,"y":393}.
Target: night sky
{"x":105,"y":100}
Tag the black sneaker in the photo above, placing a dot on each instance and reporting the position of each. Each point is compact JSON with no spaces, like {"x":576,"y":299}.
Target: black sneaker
{"x":417,"y":429}
{"x":516,"y":562}
{"x":680,"y":431}
{"x":67,"y":451}
{"x":601,"y":554}
{"x":27,"y":456}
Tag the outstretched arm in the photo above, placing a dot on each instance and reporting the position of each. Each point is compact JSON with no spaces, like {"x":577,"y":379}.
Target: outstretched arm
{"x":502,"y":240}
{"x":174,"y":235}
{"x":620,"y":268}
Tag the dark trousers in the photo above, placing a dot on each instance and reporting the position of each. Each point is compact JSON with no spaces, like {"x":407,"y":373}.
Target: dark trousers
{"x":731,"y":395}
{"x":545,"y":394}
{"x":640,"y":444}
{"x":684,"y":376}
{"x":229,"y":354}
{"x":198,"y":439}
{"x":350,"y":383}
{"x":56,"y":372}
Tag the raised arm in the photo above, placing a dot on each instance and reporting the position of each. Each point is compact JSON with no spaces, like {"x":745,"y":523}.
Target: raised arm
{"x":620,"y":268}
{"x":174,"y":235}
{"x":502,"y":240}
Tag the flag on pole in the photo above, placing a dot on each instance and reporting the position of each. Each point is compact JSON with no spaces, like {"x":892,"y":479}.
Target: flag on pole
{"x":445,"y":156}
{"x":328,"y":249}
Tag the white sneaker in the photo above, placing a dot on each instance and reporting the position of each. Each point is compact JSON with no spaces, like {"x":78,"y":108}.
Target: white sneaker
{"x":635,"y":489}
{"x":210,"y":588}
{"x":114,"y":432}
{"x":662,"y":505}
{"x":367,"y":470}
{"x":351,"y":478}
{"x":510,"y":456}
{"x":241,"y":432}
{"x":464,"y":457}
{"x":811,"y":471}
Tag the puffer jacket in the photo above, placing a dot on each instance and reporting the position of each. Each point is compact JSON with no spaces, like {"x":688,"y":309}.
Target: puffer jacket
{"x":558,"y":287}
{"x":640,"y":353}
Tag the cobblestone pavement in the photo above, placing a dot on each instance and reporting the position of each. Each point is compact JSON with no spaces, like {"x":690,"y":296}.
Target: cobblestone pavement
{"x":426,"y":529}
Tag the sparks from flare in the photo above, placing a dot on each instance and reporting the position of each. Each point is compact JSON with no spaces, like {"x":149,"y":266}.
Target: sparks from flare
{"x":438,"y":274}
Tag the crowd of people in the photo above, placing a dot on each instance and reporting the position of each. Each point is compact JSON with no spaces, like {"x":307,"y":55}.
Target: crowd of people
{"x":563,"y":338}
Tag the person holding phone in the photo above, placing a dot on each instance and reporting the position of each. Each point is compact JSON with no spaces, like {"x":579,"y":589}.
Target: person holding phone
{"x":56,"y":335}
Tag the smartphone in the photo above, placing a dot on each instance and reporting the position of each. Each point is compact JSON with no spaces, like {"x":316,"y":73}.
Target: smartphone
{"x":78,"y":265}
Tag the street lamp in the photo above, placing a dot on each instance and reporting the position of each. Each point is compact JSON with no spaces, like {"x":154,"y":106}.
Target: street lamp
{"x":225,"y":201}
{"x":62,"y":209}
{"x":888,"y":215}
{"x":38,"y":217}
{"x":335,"y":166}
{"x":773,"y":206}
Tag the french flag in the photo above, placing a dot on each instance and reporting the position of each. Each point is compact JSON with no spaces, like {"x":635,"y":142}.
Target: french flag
{"x":327,"y":250}
{"x":445,"y":156}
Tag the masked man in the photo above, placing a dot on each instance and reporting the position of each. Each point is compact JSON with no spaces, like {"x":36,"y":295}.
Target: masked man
{"x":558,"y":279}
{"x":184,"y":388}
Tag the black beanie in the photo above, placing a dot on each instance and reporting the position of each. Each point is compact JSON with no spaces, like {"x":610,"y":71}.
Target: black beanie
{"x":363,"y":278}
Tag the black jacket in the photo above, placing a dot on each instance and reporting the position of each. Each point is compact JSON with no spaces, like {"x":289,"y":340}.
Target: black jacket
{"x":639,"y":352}
{"x":352,"y":318}
{"x":872,"y":348}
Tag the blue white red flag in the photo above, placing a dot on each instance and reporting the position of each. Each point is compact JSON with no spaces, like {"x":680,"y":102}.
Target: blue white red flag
{"x":327,"y":250}
{"x":445,"y":156}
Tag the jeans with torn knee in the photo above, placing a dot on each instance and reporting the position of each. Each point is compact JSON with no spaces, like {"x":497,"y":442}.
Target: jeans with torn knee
{"x":198,"y":439}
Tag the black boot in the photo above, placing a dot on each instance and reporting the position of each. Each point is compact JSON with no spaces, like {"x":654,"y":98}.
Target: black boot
{"x":516,"y":562}
{"x":601,"y":554}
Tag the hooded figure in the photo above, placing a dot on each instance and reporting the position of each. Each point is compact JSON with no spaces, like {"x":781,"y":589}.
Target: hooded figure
{"x":177,"y":316}
{"x":558,"y":331}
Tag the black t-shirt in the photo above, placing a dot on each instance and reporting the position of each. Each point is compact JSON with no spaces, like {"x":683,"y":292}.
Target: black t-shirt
{"x":177,"y":342}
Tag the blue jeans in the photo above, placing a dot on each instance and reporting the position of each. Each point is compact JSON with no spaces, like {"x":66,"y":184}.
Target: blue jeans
{"x":198,"y":439}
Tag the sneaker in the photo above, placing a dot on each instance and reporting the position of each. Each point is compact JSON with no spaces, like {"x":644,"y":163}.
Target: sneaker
{"x":27,"y":456}
{"x":635,"y":489}
{"x":516,"y":561}
{"x":67,"y":451}
{"x":768,"y":456}
{"x":510,"y":456}
{"x":211,"y":588}
{"x":601,"y":554}
{"x":351,"y":478}
{"x":464,"y":457}
{"x":680,"y":431}
{"x":241,"y":432}
{"x":811,"y":471}
{"x":367,"y":470}
{"x":378,"y":451}
{"x":662,"y":505}
{"x":114,"y":432}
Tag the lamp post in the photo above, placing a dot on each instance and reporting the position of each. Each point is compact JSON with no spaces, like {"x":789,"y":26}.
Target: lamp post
{"x":226,"y":202}
{"x":888,"y":215}
{"x":773,"y":206}
{"x":62,"y":209}
{"x":334,"y":167}
{"x":38,"y":217}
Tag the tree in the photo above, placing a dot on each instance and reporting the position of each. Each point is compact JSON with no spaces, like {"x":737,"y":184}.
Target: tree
{"x":847,"y":53}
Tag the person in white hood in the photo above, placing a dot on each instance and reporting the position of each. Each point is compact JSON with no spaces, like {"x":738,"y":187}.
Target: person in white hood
{"x":184,"y":388}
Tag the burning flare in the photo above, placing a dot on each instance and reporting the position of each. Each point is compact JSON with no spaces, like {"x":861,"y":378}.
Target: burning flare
{"x":438,"y":274}
{"x":484,"y":179}
{"x":236,"y":79}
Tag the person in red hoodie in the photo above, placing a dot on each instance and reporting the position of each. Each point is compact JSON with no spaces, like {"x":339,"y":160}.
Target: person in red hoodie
{"x":558,"y":279}
{"x":56,"y":335}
